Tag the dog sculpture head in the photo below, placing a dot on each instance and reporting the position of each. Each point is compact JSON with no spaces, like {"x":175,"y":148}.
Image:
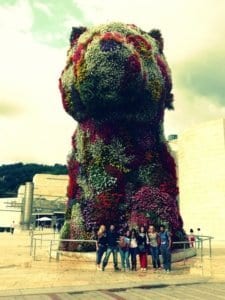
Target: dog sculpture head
{"x":116,"y":72}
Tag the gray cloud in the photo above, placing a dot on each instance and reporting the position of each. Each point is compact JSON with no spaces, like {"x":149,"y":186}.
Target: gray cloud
{"x":204,"y":75}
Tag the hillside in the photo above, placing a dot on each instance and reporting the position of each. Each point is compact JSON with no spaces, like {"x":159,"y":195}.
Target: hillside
{"x":13,"y":175}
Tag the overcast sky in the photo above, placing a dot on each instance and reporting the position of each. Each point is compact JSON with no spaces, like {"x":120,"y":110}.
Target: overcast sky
{"x":34,"y":40}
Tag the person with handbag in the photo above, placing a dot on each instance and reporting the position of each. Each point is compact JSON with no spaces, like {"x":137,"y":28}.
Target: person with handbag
{"x":124,"y":245}
{"x":101,"y":245}
{"x":142,"y":248}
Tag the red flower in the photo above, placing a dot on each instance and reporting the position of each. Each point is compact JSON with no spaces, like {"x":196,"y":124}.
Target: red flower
{"x":152,"y":200}
{"x":114,"y":171}
{"x":139,"y":43}
{"x":133,"y":64}
{"x":164,"y":71}
{"x":78,"y":54}
{"x":73,"y":169}
{"x":116,"y":36}
{"x":90,"y":127}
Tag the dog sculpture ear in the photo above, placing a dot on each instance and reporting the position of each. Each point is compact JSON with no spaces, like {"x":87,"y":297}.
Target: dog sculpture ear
{"x":156,"y":34}
{"x":75,"y":33}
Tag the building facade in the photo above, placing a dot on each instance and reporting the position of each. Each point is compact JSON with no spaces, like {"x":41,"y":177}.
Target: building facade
{"x":201,"y":163}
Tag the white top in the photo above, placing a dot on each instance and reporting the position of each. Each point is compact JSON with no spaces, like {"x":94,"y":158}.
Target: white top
{"x":133,"y":243}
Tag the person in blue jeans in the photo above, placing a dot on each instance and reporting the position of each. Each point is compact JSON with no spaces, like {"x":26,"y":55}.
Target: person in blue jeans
{"x":154,"y":241}
{"x":101,"y":245}
{"x":165,"y":248}
{"x":124,"y":249}
{"x":112,"y":247}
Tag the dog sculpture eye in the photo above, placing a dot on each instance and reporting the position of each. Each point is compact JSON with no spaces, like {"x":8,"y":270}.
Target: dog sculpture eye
{"x":110,"y":45}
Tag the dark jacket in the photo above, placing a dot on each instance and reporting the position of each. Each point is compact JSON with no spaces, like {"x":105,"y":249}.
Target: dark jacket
{"x":112,"y":238}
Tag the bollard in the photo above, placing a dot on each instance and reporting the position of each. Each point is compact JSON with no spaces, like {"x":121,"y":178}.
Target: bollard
{"x":201,"y":244}
{"x":50,"y":251}
{"x":34,"y":252}
{"x":210,"y":247}
{"x":31,"y":242}
{"x":184,"y":253}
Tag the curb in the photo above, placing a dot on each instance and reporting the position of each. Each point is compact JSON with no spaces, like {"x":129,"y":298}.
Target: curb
{"x":112,"y":288}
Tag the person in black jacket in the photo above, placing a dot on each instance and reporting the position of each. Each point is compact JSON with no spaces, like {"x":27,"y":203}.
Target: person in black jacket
{"x":112,"y":247}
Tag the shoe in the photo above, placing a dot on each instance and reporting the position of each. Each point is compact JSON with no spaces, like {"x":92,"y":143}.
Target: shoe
{"x":167,"y":271}
{"x":103,"y":268}
{"x":117,"y":269}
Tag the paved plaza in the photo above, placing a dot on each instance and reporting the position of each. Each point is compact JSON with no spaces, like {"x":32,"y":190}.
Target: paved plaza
{"x":21,"y":277}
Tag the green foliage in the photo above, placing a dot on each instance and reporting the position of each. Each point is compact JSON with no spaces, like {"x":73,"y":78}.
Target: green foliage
{"x":98,"y":152}
{"x":65,"y":230}
{"x":152,"y":175}
{"x":113,"y":153}
{"x":13,"y":175}
{"x":100,"y":179}
{"x":76,"y":215}
{"x":117,"y":155}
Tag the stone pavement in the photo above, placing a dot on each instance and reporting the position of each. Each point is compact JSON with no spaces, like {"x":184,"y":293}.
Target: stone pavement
{"x":23,"y":278}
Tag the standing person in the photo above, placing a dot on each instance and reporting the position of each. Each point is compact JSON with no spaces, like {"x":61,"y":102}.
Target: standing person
{"x":12,"y":227}
{"x":133,"y":249}
{"x":112,"y":247}
{"x":165,"y":248}
{"x":42,"y":225}
{"x":54,"y":227}
{"x":191,"y":238}
{"x":124,"y":245}
{"x":142,"y":248}
{"x":198,"y":237}
{"x":154,"y":242}
{"x":101,"y":245}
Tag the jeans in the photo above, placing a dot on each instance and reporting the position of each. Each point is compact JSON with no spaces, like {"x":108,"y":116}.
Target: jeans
{"x":99,"y":253}
{"x":133,"y":253}
{"x":125,"y":258}
{"x":114,"y":251}
{"x":155,"y":257}
{"x":166,"y":256}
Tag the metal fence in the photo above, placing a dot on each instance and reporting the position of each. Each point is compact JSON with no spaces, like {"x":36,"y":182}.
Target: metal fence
{"x":51,"y":242}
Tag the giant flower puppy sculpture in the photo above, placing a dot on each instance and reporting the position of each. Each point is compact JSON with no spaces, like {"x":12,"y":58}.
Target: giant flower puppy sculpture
{"x":116,"y":84}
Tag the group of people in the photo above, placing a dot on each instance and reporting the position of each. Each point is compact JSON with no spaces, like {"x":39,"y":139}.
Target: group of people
{"x":131,"y":244}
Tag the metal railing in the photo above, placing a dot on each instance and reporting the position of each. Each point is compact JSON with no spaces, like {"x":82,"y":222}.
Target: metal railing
{"x":37,"y":239}
{"x":58,"y":251}
{"x":199,"y":240}
{"x":198,"y":244}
